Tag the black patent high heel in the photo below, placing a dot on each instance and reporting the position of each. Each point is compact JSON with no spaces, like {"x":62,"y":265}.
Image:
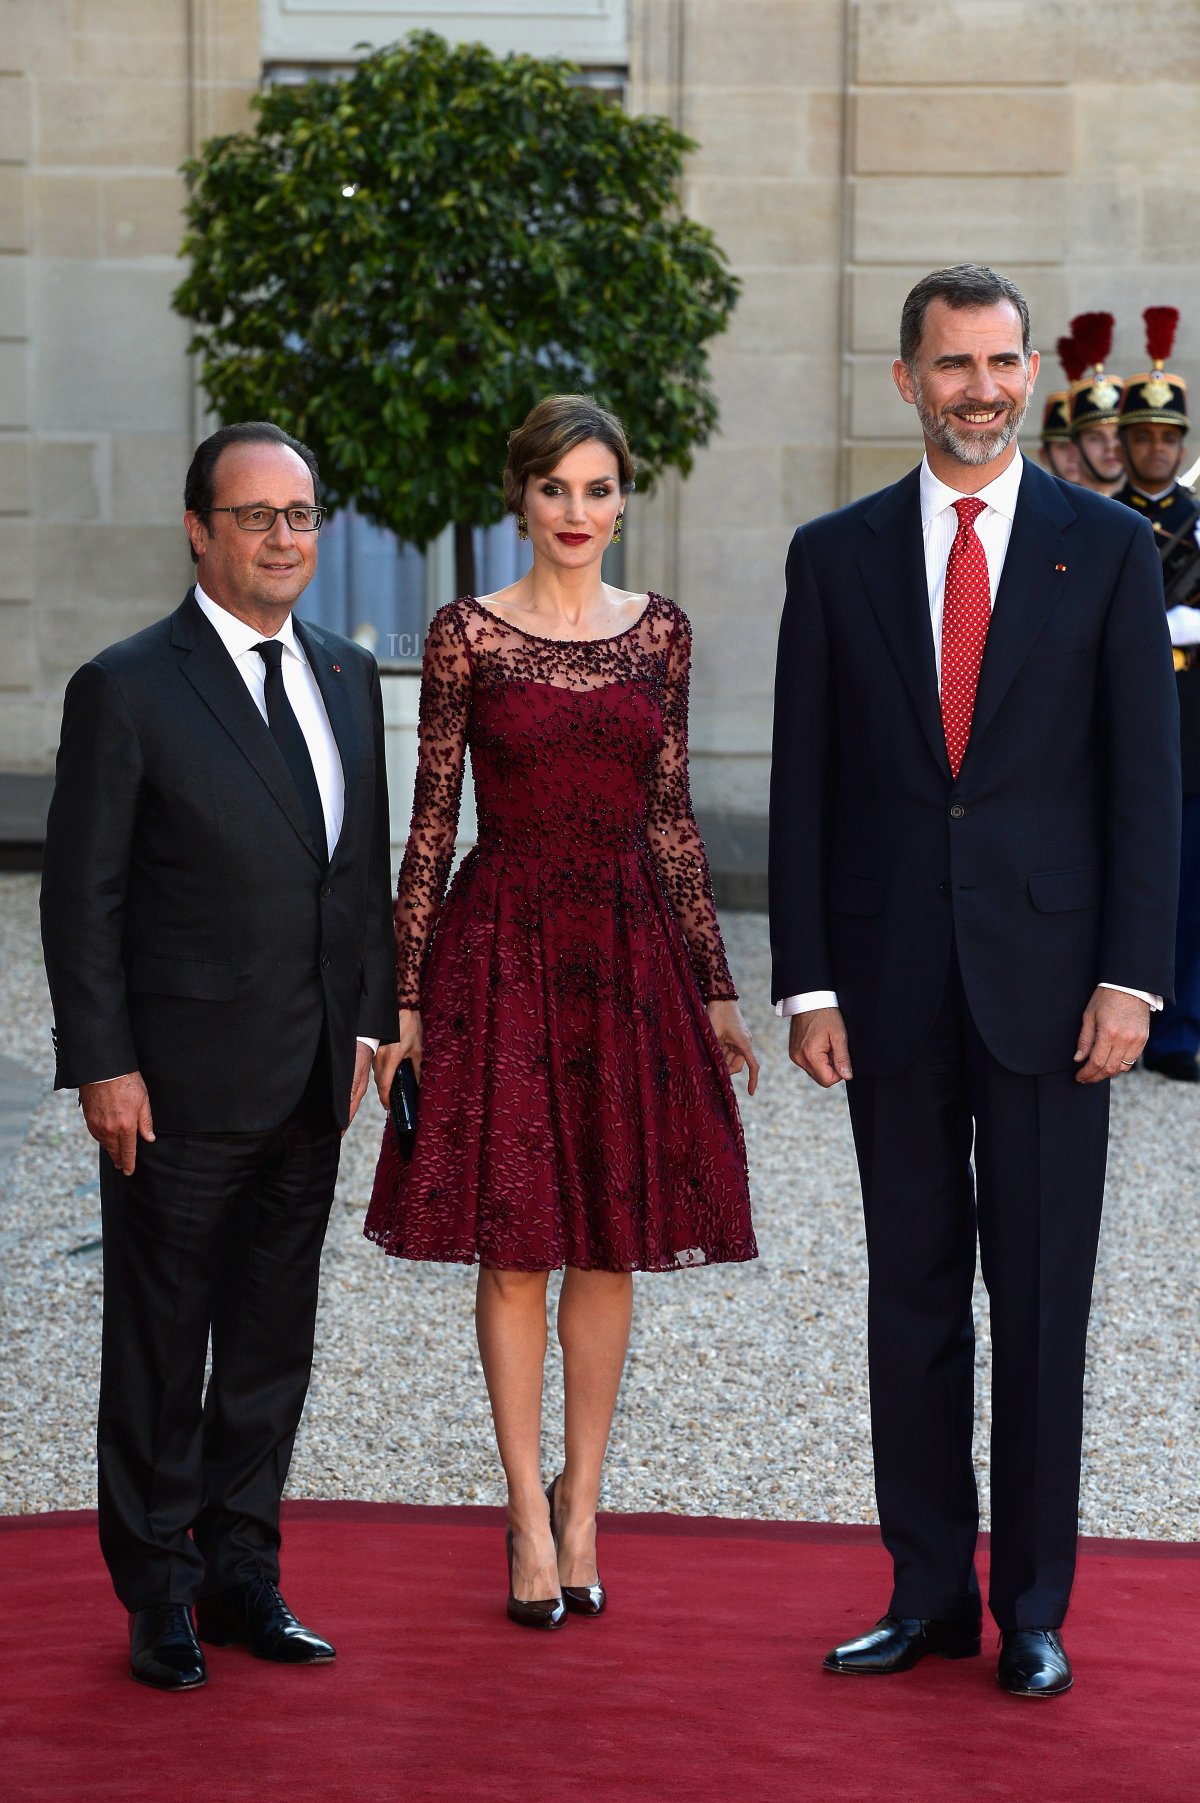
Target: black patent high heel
{"x":580,"y":1599}
{"x":544,"y":1612}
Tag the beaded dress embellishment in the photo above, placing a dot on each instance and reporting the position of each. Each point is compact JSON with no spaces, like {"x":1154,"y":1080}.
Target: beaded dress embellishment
{"x":575,"y":1106}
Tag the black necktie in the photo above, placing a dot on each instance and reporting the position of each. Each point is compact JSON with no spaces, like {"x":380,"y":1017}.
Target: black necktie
{"x":286,"y":732}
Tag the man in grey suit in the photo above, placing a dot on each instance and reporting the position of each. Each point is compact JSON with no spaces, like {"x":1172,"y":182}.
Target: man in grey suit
{"x":217,"y":927}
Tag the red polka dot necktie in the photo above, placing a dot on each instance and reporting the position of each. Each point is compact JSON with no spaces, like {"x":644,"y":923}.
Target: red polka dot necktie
{"x":965,"y":615}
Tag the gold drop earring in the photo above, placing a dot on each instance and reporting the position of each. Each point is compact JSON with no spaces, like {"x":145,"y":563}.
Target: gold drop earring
{"x":522,"y":526}
{"x":616,"y":537}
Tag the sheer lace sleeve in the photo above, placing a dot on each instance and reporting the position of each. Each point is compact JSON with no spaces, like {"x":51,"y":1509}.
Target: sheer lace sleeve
{"x":674,"y":837}
{"x":429,"y":853}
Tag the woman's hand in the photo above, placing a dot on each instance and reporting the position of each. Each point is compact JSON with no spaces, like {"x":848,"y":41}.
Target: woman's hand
{"x":736,"y":1040}
{"x":389,"y":1058}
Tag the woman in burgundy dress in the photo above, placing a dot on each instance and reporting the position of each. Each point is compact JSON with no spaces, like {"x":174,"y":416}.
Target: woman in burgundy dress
{"x":568,"y":1005}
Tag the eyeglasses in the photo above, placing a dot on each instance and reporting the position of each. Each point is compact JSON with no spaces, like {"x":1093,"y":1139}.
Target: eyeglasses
{"x":262,"y":519}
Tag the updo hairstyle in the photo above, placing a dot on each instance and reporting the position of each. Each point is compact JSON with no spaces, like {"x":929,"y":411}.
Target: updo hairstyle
{"x":554,"y":427}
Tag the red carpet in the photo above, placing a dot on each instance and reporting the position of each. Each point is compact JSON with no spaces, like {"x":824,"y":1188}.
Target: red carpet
{"x":702,"y":1683}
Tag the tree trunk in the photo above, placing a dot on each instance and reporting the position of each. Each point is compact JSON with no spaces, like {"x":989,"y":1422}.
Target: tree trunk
{"x":464,"y":559}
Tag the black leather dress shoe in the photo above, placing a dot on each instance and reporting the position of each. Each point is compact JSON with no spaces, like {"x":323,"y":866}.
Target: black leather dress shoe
{"x":1180,"y":1065}
{"x":1033,"y":1663}
{"x":257,"y":1615}
{"x":163,"y":1649}
{"x":897,"y":1642}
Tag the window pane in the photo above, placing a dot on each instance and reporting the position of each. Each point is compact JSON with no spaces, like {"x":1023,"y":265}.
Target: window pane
{"x":368,"y":586}
{"x":500,"y":556}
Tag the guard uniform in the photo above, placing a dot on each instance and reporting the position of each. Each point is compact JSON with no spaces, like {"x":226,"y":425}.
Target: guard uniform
{"x":1159,"y":398}
{"x":1056,"y":418}
{"x":1055,"y":440}
{"x":1093,"y":400}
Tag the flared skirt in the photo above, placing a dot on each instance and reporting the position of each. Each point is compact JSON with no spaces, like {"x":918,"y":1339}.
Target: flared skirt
{"x":575,"y":1106}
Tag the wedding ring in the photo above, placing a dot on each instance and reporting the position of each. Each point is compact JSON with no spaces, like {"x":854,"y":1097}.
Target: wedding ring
{"x":1129,"y":1066}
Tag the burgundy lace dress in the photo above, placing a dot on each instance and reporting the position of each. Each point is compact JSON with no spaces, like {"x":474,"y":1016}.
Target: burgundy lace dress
{"x":575,"y":1105}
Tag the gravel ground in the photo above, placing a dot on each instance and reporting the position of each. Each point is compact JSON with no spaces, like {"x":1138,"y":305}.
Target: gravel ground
{"x":746,"y":1391}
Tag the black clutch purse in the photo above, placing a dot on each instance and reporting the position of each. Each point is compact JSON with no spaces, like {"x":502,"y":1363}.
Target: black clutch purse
{"x":404,"y":1107}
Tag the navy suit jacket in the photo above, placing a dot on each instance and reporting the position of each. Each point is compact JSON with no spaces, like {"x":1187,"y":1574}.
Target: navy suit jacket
{"x":1051,"y":864}
{"x":192,"y":928}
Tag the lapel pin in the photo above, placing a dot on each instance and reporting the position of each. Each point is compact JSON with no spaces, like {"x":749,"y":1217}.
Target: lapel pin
{"x":1058,"y":566}
{"x":337,"y":668}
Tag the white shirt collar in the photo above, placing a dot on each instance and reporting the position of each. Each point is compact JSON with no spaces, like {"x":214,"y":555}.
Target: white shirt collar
{"x":237,"y":637}
{"x":1000,"y":493}
{"x":1147,"y":496}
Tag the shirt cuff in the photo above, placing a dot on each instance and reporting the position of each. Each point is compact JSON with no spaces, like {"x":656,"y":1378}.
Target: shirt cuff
{"x":1142,"y":995}
{"x":1184,"y":624}
{"x":804,"y":1004}
{"x":372,"y":1045}
{"x":827,"y":998}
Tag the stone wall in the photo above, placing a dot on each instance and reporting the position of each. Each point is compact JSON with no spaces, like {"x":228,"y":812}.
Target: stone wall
{"x":760,"y":87}
{"x":1059,"y":142}
{"x":845,"y":147}
{"x":100,"y":102}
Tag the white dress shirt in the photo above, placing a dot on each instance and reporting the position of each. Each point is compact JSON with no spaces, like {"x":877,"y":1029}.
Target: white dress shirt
{"x":300,"y":687}
{"x":308,"y":705}
{"x":939,"y":525}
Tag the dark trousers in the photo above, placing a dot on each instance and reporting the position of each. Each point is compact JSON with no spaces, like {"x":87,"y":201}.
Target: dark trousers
{"x":219,"y":1232}
{"x":1033,"y":1199}
{"x":1177,"y":1027}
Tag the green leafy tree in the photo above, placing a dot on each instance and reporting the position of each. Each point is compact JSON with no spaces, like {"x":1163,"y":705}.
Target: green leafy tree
{"x":395,"y":266}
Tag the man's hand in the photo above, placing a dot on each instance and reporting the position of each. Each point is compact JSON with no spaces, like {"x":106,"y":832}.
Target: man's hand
{"x":1115,"y":1028}
{"x":116,"y":1112}
{"x":817,"y":1043}
{"x":363,"y":1057}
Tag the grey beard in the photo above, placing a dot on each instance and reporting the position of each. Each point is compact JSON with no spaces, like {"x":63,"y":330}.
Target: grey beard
{"x":967,"y":447}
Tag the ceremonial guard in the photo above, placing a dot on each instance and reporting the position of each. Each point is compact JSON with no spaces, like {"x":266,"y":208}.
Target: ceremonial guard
{"x":1152,"y":423}
{"x":1056,"y":452}
{"x":1094,"y":400}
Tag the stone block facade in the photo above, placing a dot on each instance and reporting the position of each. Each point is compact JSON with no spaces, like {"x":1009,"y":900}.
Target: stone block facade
{"x":100,"y":102}
{"x":844,"y":147}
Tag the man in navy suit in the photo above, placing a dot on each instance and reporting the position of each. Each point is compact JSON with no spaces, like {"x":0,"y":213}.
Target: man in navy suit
{"x":974,"y":846}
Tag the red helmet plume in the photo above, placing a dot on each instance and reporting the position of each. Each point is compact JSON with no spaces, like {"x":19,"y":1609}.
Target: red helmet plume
{"x":1160,"y":332}
{"x":1093,"y":333}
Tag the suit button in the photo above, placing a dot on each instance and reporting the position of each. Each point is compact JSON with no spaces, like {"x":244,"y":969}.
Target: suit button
{"x":943,"y":888}
{"x":325,"y":961}
{"x":957,"y":811}
{"x":327,"y":893}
